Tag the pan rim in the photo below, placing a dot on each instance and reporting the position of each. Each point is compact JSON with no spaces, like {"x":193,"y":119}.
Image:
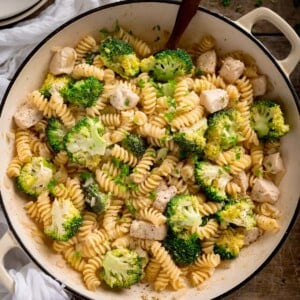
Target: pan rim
{"x":126,"y":2}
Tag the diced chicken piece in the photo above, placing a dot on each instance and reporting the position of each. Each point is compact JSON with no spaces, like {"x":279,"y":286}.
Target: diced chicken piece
{"x":242,"y":180}
{"x":163,"y":197}
{"x":162,"y":186}
{"x":27,"y":116}
{"x":273,"y":163}
{"x":252,"y":235}
{"x":214,"y":100}
{"x":63,"y":61}
{"x":232,"y":69}
{"x":145,"y":230}
{"x":264,"y":191}
{"x":259,"y":85}
{"x":123,"y":97}
{"x":207,"y":61}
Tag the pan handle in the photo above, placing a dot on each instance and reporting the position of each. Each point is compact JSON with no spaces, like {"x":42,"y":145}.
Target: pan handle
{"x":262,"y":13}
{"x":7,"y":242}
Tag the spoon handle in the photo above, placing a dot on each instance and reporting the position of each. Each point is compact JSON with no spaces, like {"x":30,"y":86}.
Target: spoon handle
{"x":186,"y":11}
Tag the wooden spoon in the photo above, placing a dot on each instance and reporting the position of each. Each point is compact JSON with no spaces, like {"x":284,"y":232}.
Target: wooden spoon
{"x":186,"y":11}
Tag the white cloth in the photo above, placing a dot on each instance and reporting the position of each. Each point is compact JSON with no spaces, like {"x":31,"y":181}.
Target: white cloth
{"x":31,"y":283}
{"x":18,"y":41}
{"x":15,"y":45}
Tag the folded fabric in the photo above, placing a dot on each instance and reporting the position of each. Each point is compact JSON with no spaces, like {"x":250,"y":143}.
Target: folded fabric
{"x":17,"y":42}
{"x":35,"y":285}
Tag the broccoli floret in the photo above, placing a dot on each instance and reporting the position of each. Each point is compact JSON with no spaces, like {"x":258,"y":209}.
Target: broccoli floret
{"x":183,"y":212}
{"x":84,"y":142}
{"x":166,"y":89}
{"x":168,"y":64}
{"x":192,"y":139}
{"x":121,"y":268}
{"x":267,"y":120}
{"x":35,"y":176}
{"x":223,"y":132}
{"x":229,"y":243}
{"x":89,"y":58}
{"x":135,"y":144}
{"x":84,"y":92}
{"x":212,"y":179}
{"x":52,"y":81}
{"x":55,"y":132}
{"x":184,"y":250}
{"x":119,"y":56}
{"x":239,"y":213}
{"x":66,"y":220}
{"x":96,"y":201}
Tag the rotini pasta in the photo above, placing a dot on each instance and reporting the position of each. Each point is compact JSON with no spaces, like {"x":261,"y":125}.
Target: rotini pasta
{"x":120,"y":191}
{"x":14,"y":167}
{"x":85,"y":45}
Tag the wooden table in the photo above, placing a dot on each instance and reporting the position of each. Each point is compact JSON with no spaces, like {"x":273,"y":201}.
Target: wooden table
{"x":280,"y":279}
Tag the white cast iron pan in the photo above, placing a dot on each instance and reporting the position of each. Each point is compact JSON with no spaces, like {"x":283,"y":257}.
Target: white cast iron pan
{"x":141,"y":17}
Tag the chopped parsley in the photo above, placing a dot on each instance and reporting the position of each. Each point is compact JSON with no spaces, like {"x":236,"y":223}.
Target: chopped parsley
{"x":198,"y":72}
{"x":258,"y":3}
{"x":153,"y":194}
{"x":227,"y":168}
{"x":171,"y":102}
{"x":170,"y":115}
{"x":156,"y":27}
{"x":141,"y":83}
{"x":225,"y":3}
{"x":157,"y":39}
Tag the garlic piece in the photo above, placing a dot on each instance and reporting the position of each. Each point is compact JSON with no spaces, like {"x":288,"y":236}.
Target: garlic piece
{"x":63,"y":61}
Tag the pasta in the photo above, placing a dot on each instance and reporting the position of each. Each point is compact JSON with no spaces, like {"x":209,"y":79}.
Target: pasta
{"x":74,"y":259}
{"x":113,"y":186}
{"x":166,"y":262}
{"x":124,"y":155}
{"x":14,"y":167}
{"x":89,"y":273}
{"x":89,"y":223}
{"x":152,"y":270}
{"x":84,"y":46}
{"x":56,"y":103}
{"x":152,"y":215}
{"x":86,"y":70}
{"x":138,"y":45}
{"x":23,"y":145}
{"x":41,"y":103}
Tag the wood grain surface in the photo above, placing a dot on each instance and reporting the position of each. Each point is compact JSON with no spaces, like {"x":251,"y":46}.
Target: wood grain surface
{"x":280,"y":278}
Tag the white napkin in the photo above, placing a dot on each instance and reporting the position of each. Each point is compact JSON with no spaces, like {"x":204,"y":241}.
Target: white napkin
{"x":15,"y":45}
{"x":18,"y":41}
{"x":30,"y":281}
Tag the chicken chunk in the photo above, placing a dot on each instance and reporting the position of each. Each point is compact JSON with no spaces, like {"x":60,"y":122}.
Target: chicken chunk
{"x":123,"y":97}
{"x":259,"y":85}
{"x":242,"y":180}
{"x":63,"y":61}
{"x":145,"y":230}
{"x":252,"y":235}
{"x":264,"y":191}
{"x":214,"y":100}
{"x":231,"y":69}
{"x":163,"y":197}
{"x":207,"y":61}
{"x":27,"y":116}
{"x":273,"y":163}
